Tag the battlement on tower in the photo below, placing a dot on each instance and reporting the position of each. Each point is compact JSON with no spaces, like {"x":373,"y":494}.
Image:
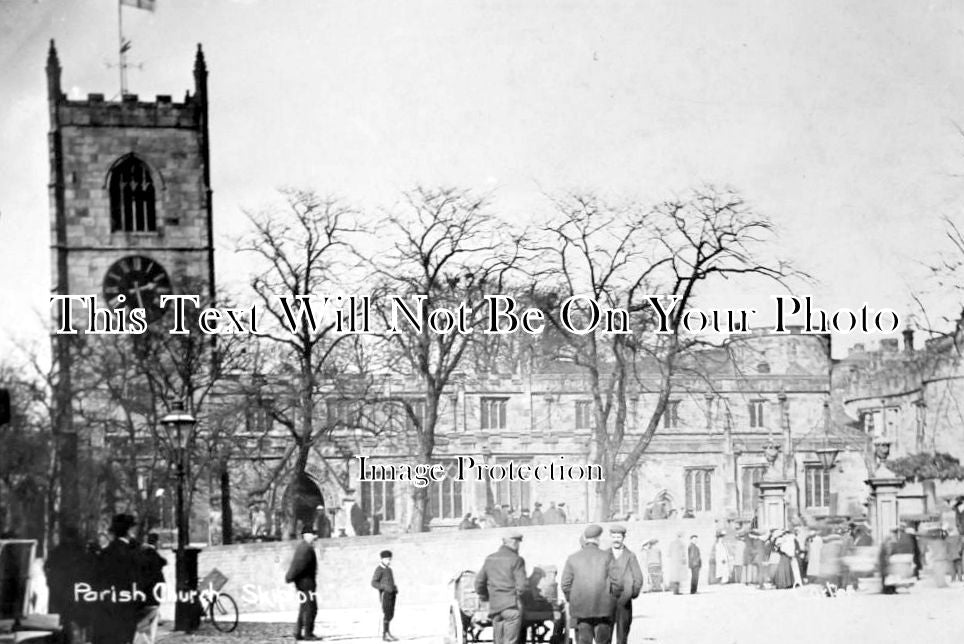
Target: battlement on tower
{"x":130,"y":112}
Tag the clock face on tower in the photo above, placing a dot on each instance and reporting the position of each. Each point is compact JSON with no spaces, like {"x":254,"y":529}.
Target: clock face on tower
{"x":141,"y":280}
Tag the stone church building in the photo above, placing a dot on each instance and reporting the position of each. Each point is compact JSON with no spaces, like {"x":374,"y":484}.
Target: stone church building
{"x":131,"y":221}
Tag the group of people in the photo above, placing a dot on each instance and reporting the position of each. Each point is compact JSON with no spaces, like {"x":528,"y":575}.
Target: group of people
{"x":904,"y":549}
{"x":303,"y":572}
{"x":506,"y":516}
{"x":776,"y":558}
{"x":107,"y":592}
{"x":599,"y":586}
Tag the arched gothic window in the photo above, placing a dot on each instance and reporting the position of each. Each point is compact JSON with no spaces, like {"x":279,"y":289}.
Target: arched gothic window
{"x":131,"y":196}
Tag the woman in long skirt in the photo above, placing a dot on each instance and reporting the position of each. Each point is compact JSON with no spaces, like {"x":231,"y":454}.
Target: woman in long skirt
{"x":722,"y":557}
{"x":783,"y":576}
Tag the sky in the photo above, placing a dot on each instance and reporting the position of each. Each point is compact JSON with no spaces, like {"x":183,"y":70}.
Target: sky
{"x":836,"y":119}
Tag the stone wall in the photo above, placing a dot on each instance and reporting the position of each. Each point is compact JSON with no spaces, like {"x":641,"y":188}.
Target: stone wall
{"x":423,"y":563}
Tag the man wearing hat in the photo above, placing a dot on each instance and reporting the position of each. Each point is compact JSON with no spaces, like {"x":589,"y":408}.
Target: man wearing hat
{"x":502,"y":582}
{"x":592,"y":585}
{"x":537,"y":518}
{"x":695,"y":562}
{"x":383,"y":580}
{"x":302,"y":572}
{"x":117,"y":571}
{"x":627,"y":567}
{"x":152,"y":582}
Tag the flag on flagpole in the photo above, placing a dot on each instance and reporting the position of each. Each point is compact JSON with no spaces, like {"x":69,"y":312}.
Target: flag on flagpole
{"x":139,"y":4}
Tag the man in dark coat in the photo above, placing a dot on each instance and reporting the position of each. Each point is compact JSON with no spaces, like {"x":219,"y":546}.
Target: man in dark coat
{"x":383,"y":580}
{"x":591,"y":584}
{"x":502,"y":582}
{"x":302,"y":572}
{"x":537,"y":518}
{"x":322,"y":523}
{"x":552,"y":515}
{"x":115,"y":616}
{"x":151,"y":570}
{"x":67,"y":564}
{"x":695,"y":563}
{"x":631,"y":575}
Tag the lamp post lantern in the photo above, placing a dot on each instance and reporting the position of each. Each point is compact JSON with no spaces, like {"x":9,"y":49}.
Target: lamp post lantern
{"x":179,"y":425}
{"x":828,"y":453}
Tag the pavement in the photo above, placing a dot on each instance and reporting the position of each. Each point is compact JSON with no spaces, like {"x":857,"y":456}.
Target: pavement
{"x":726,"y":614}
{"x":413,"y":623}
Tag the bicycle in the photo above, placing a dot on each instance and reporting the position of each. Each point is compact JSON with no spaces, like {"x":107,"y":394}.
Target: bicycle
{"x":218,"y":607}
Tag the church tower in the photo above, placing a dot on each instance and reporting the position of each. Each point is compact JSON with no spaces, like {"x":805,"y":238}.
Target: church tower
{"x":130,"y":192}
{"x":131,"y":218}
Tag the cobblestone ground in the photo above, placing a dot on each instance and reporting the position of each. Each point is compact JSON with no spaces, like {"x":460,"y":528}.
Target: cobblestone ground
{"x":718,"y":614}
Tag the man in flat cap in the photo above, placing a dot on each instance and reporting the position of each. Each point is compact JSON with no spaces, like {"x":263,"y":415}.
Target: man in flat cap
{"x":631,"y":575}
{"x":502,"y":582}
{"x":591,"y":584}
{"x":302,"y":572}
{"x":383,"y":580}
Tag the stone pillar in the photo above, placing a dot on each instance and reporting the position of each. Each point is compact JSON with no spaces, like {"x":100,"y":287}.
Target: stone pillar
{"x":884,"y":486}
{"x":773,"y":508}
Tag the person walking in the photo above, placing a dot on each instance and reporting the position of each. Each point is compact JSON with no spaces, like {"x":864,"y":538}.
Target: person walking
{"x":695,"y":562}
{"x":737,"y":548}
{"x":66,"y":565}
{"x":631,"y":576}
{"x":676,"y":568}
{"x":502,"y":582}
{"x":954,"y":547}
{"x":654,"y":565}
{"x":722,"y":558}
{"x":117,"y":568}
{"x":302,"y":573}
{"x":152,"y":581}
{"x":591,"y":585}
{"x":383,"y":580}
{"x":553,"y":515}
{"x":814,"y":558}
{"x":937,"y":556}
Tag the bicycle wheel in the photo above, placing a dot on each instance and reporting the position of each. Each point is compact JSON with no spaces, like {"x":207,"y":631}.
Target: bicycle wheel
{"x":224,"y":613}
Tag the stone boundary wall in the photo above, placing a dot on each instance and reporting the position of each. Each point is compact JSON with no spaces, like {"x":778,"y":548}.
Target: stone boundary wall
{"x":423,"y":563}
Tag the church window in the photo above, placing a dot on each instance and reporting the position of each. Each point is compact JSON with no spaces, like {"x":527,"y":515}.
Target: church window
{"x":698,"y":483}
{"x":445,"y":496}
{"x":378,"y":497}
{"x":131,"y":197}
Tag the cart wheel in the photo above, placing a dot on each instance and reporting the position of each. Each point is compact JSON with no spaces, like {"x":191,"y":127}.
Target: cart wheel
{"x":456,"y":629}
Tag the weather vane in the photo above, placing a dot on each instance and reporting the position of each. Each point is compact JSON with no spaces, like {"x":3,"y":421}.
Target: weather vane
{"x":123,"y":44}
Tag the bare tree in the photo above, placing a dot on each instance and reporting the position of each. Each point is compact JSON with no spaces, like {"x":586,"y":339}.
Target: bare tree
{"x":303,"y":249}
{"x":131,"y":382}
{"x":447,"y":251}
{"x":617,"y":257}
{"x":25,"y":460}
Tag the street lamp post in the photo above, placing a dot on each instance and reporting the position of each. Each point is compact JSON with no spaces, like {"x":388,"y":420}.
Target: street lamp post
{"x":179,"y":425}
{"x":828,"y":453}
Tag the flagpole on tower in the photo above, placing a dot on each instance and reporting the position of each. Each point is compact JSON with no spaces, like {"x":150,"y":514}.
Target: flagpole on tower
{"x":121,"y":49}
